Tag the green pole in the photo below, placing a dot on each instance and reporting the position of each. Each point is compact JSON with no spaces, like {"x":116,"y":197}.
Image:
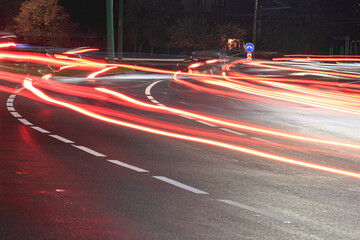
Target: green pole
{"x":121,"y":29}
{"x":110,"y":29}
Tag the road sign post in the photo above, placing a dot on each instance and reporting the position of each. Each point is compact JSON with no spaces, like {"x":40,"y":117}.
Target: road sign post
{"x":249,"y":57}
{"x":249,"y":48}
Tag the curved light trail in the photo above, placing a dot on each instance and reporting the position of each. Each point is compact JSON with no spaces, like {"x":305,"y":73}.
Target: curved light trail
{"x":28,"y":85}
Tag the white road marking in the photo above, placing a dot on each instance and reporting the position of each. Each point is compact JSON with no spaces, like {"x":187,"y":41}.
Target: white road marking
{"x":147,"y":90}
{"x":150,"y":97}
{"x":9,"y":104}
{"x":12,"y":96}
{"x":315,"y":74}
{"x":128,"y":166}
{"x":40,"y":129}
{"x":88,"y":150}
{"x":10,"y":100}
{"x":25,"y":122}
{"x":256,"y":210}
{"x":187,"y":117}
{"x":15,"y":114}
{"x":261,"y":140}
{"x":232,"y":131}
{"x":206,"y":123}
{"x":11,"y":109}
{"x":262,"y":70}
{"x":61,"y":139}
{"x":154,"y":101}
{"x":269,"y":76}
{"x":180,"y":185}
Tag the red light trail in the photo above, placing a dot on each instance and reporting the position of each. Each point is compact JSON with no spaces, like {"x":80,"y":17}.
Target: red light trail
{"x":28,"y":85}
{"x":226,"y":123}
{"x":259,"y":87}
{"x":7,"y":45}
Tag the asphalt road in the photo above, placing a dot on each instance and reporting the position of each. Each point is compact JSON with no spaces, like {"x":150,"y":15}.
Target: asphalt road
{"x":67,"y":176}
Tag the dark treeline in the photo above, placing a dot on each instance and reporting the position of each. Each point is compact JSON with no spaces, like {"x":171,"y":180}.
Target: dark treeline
{"x":159,"y":25}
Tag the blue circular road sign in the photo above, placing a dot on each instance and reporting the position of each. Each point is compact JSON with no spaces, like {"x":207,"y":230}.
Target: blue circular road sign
{"x":249,"y":47}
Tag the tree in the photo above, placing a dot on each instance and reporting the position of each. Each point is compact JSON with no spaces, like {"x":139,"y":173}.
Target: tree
{"x":43,"y":22}
{"x":306,"y":25}
{"x":146,"y":21}
{"x":191,"y":34}
{"x":8,"y":9}
{"x":229,"y":31}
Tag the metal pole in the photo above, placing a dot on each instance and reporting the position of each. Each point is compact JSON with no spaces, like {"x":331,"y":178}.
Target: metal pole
{"x":110,"y":29}
{"x":255,"y":19}
{"x":121,"y":29}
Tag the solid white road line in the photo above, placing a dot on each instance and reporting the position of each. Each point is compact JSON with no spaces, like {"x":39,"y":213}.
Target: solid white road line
{"x":25,"y":122}
{"x":88,"y":150}
{"x":261,"y":140}
{"x":15,"y":114}
{"x":61,"y":139}
{"x":187,"y":117}
{"x":232,"y":131}
{"x":148,"y":89}
{"x":128,"y":166}
{"x":40,"y":129}
{"x":180,"y":185}
{"x":255,"y":210}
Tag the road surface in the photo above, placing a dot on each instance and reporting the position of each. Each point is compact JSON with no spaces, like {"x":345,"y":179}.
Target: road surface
{"x":68,"y":176}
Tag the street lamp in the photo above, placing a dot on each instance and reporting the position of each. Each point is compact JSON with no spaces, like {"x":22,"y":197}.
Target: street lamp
{"x":120,"y":29}
{"x":110,"y":30}
{"x":254,"y":24}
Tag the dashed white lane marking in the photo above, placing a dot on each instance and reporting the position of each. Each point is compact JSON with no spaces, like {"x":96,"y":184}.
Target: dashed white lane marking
{"x":161,"y":178}
{"x":180,"y":185}
{"x":152,"y":99}
{"x":128,"y":166}
{"x":40,"y":129}
{"x":25,"y":122}
{"x":206,"y":123}
{"x":88,"y":150}
{"x":15,"y":114}
{"x":261,"y":140}
{"x":256,"y":210}
{"x":65,"y":140}
{"x":232,"y":131}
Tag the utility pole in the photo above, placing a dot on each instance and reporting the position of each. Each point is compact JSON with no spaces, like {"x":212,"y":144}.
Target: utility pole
{"x":120,"y":29}
{"x":255,"y":22}
{"x":110,"y":30}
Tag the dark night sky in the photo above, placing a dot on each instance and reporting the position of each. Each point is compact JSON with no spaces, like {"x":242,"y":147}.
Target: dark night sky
{"x":331,"y":17}
{"x":89,"y":14}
